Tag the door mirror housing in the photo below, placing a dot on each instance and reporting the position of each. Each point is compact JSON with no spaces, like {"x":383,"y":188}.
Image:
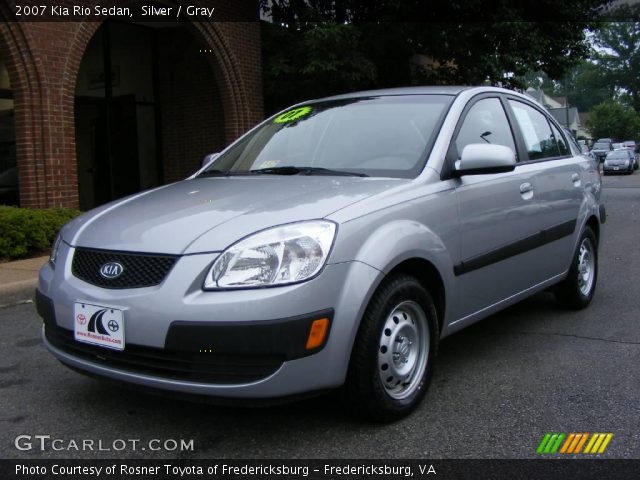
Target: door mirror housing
{"x":209,"y":158}
{"x":482,"y":158}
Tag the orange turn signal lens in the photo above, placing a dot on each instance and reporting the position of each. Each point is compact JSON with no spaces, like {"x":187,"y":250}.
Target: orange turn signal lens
{"x":317,"y":333}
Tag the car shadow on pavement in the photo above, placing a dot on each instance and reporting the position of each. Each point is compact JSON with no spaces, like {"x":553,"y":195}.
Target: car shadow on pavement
{"x":191,"y":414}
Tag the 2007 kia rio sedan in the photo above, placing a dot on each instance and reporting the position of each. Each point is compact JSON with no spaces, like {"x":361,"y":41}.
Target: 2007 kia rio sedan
{"x":335,"y":243}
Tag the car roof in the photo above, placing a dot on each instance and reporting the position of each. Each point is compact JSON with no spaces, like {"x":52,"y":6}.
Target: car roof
{"x":421,"y":90}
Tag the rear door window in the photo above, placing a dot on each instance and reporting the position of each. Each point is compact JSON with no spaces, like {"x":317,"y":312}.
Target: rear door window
{"x":539,"y":139}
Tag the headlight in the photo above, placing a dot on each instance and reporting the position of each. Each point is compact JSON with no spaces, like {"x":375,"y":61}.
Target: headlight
{"x":54,"y":250}
{"x":277,"y":256}
{"x":626,"y":163}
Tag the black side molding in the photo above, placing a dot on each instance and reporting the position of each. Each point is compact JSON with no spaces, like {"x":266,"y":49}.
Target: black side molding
{"x":536,"y":240}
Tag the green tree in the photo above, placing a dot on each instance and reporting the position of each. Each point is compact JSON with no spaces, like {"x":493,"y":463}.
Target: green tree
{"x":317,"y":47}
{"x":320,"y":60}
{"x":587,"y":85}
{"x":611,"y":119}
{"x":619,"y":58}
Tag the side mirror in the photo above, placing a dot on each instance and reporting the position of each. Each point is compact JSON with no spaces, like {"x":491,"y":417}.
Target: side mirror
{"x":482,"y":158}
{"x":208,"y":159}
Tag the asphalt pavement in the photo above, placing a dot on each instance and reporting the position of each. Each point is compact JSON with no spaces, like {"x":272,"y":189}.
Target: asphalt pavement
{"x":499,"y":387}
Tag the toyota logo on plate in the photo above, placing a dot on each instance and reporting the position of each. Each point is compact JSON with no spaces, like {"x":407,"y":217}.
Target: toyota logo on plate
{"x":111,"y":270}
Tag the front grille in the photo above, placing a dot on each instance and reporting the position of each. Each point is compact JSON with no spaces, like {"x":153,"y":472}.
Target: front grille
{"x":139,"y":269}
{"x":170,"y":364}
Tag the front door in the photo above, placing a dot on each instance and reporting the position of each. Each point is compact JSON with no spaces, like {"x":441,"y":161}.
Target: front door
{"x":498,"y":214}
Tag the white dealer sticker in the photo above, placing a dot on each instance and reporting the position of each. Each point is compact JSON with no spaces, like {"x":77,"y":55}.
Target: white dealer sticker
{"x":99,"y":325}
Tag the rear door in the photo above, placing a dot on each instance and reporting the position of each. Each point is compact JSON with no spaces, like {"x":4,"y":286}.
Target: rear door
{"x":560,"y":179}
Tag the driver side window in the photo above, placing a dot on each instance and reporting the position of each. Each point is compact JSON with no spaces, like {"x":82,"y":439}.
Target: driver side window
{"x":486,"y":122}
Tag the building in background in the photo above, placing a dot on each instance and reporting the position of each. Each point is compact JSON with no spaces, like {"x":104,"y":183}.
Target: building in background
{"x":92,"y":111}
{"x":565,"y":115}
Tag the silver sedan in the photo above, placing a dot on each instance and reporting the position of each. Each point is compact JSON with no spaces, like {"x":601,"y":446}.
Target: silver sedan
{"x":334,"y":244}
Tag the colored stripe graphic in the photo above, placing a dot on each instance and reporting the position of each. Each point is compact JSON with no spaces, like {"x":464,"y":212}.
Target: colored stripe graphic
{"x":550,"y":443}
{"x":607,"y":439}
{"x":573,"y":443}
{"x":570,"y":439}
{"x":581,"y":443}
{"x":598,"y":443}
{"x":543,"y":443}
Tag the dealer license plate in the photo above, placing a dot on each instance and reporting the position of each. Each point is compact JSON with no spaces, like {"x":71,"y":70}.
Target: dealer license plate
{"x":99,"y":325}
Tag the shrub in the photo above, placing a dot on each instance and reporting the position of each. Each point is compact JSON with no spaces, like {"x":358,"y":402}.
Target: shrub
{"x":25,"y":231}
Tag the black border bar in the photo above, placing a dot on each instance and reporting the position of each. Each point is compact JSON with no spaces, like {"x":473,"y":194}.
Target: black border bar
{"x":347,"y":469}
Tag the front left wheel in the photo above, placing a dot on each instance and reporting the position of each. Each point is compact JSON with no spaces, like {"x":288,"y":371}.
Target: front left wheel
{"x":393,"y":355}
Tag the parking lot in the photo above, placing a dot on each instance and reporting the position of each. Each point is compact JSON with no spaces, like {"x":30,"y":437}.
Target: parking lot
{"x":499,"y":387}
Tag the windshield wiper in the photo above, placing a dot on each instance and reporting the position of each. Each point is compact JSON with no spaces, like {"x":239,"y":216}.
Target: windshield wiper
{"x":214,"y":173}
{"x":291,"y":170}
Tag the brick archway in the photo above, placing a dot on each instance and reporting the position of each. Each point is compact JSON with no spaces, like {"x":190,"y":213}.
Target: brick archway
{"x":44,"y":60}
{"x":239,"y":111}
{"x":27,"y":96}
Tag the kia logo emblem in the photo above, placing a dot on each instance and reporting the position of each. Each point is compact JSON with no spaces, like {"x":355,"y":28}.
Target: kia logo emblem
{"x":111,"y":270}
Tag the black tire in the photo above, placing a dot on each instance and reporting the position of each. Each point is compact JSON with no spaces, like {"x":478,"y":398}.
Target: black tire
{"x":369,"y":388}
{"x":575,"y":292}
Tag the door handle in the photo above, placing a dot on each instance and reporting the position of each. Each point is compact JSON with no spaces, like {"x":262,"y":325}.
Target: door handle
{"x":575,"y":178}
{"x":526,"y":187}
{"x":526,"y":190}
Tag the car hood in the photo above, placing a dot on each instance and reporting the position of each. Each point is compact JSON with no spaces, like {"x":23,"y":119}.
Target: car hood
{"x":208,"y":214}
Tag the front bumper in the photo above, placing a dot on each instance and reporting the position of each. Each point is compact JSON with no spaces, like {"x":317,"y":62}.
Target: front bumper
{"x":237,"y":344}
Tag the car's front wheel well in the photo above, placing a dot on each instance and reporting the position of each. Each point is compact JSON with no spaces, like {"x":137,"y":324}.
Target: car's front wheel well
{"x":430,"y":278}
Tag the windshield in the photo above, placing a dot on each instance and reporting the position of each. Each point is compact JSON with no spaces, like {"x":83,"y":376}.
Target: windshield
{"x":618,"y":155}
{"x":601,"y":146}
{"x":375,"y":136}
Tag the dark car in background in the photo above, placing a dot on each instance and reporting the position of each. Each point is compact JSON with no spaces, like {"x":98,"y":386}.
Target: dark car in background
{"x":601,"y":149}
{"x":631,"y":145}
{"x":619,"y":161}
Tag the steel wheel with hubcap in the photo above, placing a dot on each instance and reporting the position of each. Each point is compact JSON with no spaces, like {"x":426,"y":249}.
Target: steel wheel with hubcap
{"x":577,"y":290}
{"x":393,"y":354}
{"x":586,"y":266}
{"x":404,"y":349}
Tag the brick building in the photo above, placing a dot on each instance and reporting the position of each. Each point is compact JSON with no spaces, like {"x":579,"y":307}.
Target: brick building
{"x":92,"y":111}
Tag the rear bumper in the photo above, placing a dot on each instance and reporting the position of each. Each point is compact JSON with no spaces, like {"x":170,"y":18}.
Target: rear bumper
{"x":617,"y":168}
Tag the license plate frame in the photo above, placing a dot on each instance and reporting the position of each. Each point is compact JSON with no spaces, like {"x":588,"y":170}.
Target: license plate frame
{"x":99,"y":325}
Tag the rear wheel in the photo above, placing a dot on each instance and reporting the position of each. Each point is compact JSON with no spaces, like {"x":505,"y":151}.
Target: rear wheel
{"x":577,"y":290}
{"x":392,"y":359}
